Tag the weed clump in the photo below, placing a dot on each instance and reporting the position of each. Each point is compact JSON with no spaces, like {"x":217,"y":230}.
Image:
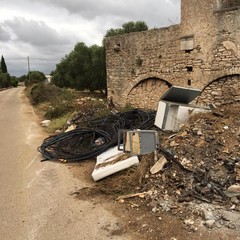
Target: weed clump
{"x":59,"y":101}
{"x":41,"y":93}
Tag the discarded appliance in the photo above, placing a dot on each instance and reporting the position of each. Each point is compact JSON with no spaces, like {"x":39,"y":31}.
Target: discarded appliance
{"x":174,"y":107}
{"x":138,"y":142}
{"x":112,"y":161}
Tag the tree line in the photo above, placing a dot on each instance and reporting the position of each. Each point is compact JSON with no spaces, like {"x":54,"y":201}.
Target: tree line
{"x":85,"y":67}
{"x":5,"y":79}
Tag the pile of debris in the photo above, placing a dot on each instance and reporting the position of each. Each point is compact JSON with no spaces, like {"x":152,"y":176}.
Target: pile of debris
{"x":207,"y":149}
{"x":198,"y":173}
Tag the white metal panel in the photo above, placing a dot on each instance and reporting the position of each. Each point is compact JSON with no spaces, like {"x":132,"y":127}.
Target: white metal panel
{"x":110,"y":169}
{"x":172,"y":122}
{"x":160,"y":114}
{"x":109,"y":154}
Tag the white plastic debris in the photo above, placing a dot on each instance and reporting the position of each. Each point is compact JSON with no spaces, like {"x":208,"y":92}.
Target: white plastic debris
{"x":45,"y":123}
{"x":107,"y":165}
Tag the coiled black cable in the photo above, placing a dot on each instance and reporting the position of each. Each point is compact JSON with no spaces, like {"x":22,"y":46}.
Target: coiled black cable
{"x":102,"y":133}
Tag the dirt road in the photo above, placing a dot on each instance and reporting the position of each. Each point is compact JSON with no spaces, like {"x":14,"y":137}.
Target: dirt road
{"x":35,"y":198}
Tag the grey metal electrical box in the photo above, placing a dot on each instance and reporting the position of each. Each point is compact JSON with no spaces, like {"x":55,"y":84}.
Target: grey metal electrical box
{"x":174,"y":108}
{"x":138,"y":142}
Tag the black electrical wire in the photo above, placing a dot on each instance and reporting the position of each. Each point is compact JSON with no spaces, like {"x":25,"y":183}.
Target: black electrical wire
{"x":102,"y":133}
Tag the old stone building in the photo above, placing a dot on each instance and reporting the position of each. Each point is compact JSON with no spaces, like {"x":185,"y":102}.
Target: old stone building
{"x":203,"y":52}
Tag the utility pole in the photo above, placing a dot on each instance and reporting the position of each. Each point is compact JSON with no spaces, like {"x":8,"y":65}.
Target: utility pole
{"x":28,"y":69}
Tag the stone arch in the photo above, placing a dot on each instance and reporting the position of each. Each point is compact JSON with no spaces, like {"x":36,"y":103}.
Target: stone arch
{"x":223,"y":90}
{"x":146,"y":93}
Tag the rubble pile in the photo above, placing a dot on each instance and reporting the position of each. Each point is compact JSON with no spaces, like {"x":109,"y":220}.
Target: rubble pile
{"x":208,"y":149}
{"x":202,"y":171}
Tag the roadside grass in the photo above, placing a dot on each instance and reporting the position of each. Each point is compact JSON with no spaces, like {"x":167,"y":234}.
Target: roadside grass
{"x":59,"y":104}
{"x":63,"y":105}
{"x":58,"y":123}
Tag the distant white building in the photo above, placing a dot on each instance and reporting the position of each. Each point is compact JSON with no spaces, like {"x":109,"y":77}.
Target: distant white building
{"x":48,"y":78}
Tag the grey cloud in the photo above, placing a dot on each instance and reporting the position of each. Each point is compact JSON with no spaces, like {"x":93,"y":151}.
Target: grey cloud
{"x":83,"y":20}
{"x":153,"y":12}
{"x":44,"y":45}
{"x":34,"y":32}
{"x":4,"y":34}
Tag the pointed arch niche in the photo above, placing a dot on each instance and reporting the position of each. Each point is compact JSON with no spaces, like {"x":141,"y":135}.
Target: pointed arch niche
{"x":146,"y":93}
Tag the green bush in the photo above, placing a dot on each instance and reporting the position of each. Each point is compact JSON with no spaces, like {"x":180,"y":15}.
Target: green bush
{"x":41,"y":93}
{"x":58,"y":110}
{"x":14,"y":81}
{"x":34,"y":78}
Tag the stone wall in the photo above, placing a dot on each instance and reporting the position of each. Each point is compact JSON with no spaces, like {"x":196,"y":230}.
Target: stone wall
{"x":221,"y":91}
{"x":203,"y":49}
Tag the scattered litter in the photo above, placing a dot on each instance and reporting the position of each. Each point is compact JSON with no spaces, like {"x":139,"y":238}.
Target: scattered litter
{"x":70,"y":128}
{"x":199,"y":171}
{"x":202,"y":166}
{"x":110,"y":162}
{"x":45,"y":123}
{"x":210,"y":223}
{"x":141,"y":195}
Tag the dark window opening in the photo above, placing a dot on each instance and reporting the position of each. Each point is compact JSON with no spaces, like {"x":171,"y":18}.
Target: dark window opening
{"x":117,"y":47}
{"x":189,"y":68}
{"x":189,"y":82}
{"x":188,"y":51}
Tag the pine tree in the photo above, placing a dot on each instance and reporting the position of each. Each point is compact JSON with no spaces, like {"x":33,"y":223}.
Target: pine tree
{"x":3,"y":65}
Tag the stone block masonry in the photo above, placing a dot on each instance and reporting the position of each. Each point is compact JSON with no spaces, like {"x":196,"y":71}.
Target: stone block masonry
{"x":203,"y":51}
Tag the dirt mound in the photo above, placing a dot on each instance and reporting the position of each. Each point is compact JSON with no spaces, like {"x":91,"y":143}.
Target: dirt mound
{"x":208,"y":146}
{"x":203,"y":162}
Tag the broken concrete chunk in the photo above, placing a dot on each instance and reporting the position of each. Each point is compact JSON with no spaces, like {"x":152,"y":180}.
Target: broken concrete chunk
{"x":208,"y":215}
{"x":230,"y":216}
{"x":234,"y":188}
{"x":233,"y":191}
{"x":189,"y":222}
{"x":158,"y":166}
{"x":210,"y":223}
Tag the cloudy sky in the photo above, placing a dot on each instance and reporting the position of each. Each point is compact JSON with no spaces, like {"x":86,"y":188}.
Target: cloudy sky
{"x":47,"y":30}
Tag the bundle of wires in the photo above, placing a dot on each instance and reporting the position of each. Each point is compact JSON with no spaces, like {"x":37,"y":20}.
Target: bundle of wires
{"x":101,"y":134}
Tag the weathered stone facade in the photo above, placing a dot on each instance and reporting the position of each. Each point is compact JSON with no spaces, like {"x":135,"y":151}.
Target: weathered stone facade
{"x":203,"y":51}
